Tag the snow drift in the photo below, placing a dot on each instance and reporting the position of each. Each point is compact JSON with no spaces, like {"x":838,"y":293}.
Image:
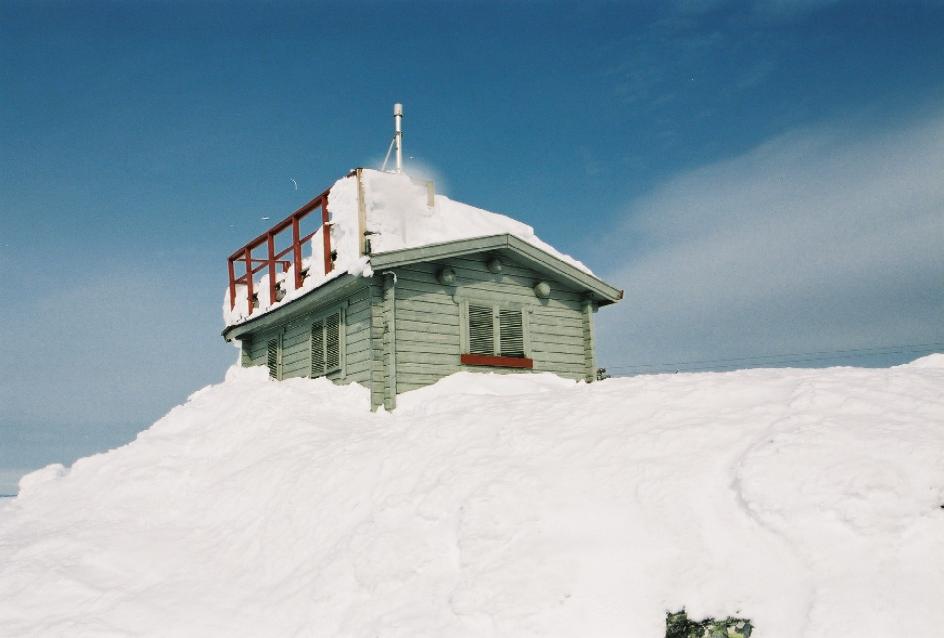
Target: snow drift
{"x":806,"y":500}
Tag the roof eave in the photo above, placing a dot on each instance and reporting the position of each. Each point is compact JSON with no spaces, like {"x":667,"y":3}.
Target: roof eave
{"x":329,"y":292}
{"x":603,"y":292}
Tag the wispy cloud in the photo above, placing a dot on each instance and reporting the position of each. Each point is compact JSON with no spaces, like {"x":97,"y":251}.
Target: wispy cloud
{"x":764,"y":9}
{"x":784,"y":9}
{"x":819,"y":239}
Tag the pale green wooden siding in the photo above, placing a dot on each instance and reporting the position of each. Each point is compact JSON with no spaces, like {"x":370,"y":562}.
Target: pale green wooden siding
{"x":427,"y":328}
{"x":296,"y":348}
{"x":245,"y":352}
{"x":389,"y":344}
{"x":428,"y":324}
{"x":377,"y":387}
{"x":296,"y":342}
{"x":258,"y":347}
{"x":557,"y":341}
{"x":357,"y":334}
{"x":403,"y":335}
{"x":589,"y":342}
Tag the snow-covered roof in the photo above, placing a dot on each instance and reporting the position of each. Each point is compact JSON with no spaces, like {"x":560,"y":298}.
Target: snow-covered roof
{"x":395,"y":213}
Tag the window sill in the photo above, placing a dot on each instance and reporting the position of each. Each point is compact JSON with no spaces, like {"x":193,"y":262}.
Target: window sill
{"x":325,"y":373}
{"x":495,"y":362}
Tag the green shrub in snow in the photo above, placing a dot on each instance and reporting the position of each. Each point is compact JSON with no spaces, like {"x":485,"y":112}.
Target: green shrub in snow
{"x":678,"y":625}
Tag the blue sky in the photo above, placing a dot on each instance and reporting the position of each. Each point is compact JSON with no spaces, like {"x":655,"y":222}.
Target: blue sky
{"x":762,"y":178}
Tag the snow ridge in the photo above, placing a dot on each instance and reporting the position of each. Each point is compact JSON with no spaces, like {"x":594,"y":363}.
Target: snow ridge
{"x":527,"y":505}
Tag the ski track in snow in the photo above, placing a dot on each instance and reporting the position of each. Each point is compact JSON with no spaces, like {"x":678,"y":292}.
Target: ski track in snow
{"x":495,"y":505}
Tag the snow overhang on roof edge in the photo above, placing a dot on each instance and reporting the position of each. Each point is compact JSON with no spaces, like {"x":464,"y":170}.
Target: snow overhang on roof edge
{"x":336,"y":288}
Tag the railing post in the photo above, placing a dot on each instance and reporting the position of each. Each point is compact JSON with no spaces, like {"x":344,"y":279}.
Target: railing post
{"x":326,"y":236}
{"x":270,"y":244}
{"x":296,"y":253}
{"x":232,"y":283}
{"x":249,"y":276}
{"x":273,"y":259}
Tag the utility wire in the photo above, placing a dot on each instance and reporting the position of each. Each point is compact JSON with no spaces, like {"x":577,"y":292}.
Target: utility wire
{"x":789,"y":357}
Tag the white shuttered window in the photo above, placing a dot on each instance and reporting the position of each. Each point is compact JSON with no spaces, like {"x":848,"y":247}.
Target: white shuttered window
{"x":326,"y":345}
{"x":272,"y":358}
{"x":481,"y":330}
{"x":495,"y":331}
{"x":511,"y":333}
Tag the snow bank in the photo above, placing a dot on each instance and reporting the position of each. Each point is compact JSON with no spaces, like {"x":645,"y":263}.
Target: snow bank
{"x":397,"y":216}
{"x":806,"y":500}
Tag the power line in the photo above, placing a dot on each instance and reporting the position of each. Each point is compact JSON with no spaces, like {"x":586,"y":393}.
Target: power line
{"x":789,"y":357}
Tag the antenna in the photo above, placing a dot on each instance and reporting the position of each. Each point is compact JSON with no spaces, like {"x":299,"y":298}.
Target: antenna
{"x":398,"y":133}
{"x":397,"y":140}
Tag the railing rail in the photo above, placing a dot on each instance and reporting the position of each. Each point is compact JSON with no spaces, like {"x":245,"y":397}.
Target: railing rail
{"x":244,"y":261}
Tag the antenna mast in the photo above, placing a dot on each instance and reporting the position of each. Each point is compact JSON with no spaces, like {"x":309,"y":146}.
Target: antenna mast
{"x":397,"y":141}
{"x":398,"y":133}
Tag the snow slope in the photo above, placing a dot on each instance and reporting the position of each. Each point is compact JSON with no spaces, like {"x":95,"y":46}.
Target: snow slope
{"x":397,"y":216}
{"x":807,"y":500}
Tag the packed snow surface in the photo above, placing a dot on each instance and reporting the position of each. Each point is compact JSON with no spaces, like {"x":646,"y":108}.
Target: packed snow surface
{"x":807,"y":500}
{"x":397,"y":216}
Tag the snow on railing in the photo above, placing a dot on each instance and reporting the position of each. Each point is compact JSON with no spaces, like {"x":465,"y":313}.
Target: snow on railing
{"x":250,"y":264}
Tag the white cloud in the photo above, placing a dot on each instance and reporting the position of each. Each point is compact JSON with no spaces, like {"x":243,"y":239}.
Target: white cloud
{"x":817,"y":240}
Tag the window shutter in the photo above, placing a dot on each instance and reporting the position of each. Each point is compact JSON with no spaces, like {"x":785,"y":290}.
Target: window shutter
{"x":511,"y":333}
{"x":332,"y":342}
{"x":481,"y":330}
{"x":272,"y":358}
{"x":317,"y":349}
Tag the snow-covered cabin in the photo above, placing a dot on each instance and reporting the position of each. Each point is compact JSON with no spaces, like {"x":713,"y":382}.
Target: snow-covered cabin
{"x":383,"y":282}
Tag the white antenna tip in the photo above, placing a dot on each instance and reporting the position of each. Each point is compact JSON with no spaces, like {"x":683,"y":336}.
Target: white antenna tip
{"x":398,"y":109}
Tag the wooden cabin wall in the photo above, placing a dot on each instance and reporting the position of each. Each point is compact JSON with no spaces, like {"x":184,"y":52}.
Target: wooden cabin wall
{"x":296,"y":342}
{"x":405,"y":332}
{"x":257,"y":347}
{"x":380,"y":388}
{"x":357,"y":339}
{"x":427,"y":320}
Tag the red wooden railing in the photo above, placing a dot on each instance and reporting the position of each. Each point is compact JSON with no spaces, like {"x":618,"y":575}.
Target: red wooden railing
{"x":250,"y":265}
